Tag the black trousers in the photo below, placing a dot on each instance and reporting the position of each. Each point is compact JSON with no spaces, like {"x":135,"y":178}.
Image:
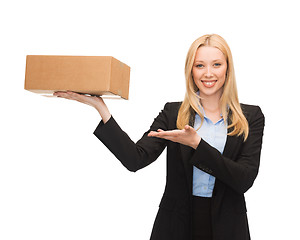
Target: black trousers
{"x":201,"y":227}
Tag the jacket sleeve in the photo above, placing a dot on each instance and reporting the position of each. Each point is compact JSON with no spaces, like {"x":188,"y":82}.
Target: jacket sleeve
{"x":238,"y":173}
{"x":133,"y":156}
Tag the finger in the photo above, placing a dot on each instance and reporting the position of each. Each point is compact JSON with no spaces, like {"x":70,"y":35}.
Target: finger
{"x":75,"y":96}
{"x":57,"y":93}
{"x":157,"y":134}
{"x":151,"y":134}
{"x":167,"y":134}
{"x":189,"y":128}
{"x":61,"y":94}
{"x":71,"y":96}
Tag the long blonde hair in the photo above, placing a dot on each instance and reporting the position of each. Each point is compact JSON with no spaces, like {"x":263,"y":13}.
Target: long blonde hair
{"x":229,"y":98}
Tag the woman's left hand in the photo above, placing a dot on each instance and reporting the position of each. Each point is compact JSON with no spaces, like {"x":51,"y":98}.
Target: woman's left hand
{"x":187,"y":136}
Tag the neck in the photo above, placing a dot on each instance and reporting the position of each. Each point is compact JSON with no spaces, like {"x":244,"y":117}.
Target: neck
{"x":211,"y":103}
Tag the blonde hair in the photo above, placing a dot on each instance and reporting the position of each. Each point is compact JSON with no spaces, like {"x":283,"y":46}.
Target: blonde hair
{"x":229,"y":98}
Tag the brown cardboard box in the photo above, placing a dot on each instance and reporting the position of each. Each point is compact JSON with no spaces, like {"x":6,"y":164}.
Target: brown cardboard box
{"x":94,"y":75}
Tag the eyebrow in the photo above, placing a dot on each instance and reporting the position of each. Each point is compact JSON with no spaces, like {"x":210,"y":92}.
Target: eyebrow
{"x":216,"y":60}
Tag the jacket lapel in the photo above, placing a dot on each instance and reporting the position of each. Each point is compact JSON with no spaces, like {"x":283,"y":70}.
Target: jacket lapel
{"x":232,"y":142}
{"x":231,"y":145}
{"x":229,"y":140}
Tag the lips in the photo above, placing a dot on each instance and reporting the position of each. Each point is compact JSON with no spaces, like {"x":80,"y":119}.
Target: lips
{"x":209,"y":84}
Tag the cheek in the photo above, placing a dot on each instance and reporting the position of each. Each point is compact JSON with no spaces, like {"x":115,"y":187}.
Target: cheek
{"x":196,"y":74}
{"x":195,"y":77}
{"x":222,"y":76}
{"x":222,"y":73}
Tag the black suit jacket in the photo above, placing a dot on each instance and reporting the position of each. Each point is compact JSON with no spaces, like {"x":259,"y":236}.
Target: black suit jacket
{"x":235,"y":171}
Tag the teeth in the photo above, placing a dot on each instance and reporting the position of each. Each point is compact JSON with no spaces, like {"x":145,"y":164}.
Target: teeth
{"x":209,"y":83}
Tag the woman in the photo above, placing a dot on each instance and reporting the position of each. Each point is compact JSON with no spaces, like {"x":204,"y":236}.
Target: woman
{"x":213,"y":149}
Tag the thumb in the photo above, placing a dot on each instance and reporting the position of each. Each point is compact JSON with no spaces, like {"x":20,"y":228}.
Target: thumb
{"x":187,"y":127}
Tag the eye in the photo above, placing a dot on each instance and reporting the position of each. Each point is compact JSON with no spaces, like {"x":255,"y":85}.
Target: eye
{"x":217,"y":64}
{"x":199,"y":65}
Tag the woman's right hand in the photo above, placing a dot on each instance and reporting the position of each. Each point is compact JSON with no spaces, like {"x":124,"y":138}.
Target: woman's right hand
{"x":94,"y":101}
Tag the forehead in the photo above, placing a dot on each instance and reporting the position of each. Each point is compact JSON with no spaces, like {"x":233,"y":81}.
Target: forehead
{"x":206,"y":53}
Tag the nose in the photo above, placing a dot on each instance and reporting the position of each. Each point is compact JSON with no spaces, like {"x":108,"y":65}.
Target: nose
{"x":208,"y":73}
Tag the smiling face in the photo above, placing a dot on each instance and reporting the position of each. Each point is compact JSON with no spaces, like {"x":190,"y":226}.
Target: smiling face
{"x":209,"y":71}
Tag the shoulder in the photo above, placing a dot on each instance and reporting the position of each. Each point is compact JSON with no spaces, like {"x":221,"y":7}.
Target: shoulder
{"x":250,"y":109}
{"x":252,"y":112}
{"x":173,"y":106}
{"x":170,"y":113}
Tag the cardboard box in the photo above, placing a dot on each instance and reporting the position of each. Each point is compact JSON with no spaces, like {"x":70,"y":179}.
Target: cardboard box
{"x":94,"y":75}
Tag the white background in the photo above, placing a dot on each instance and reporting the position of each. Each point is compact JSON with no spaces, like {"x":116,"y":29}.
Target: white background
{"x":57,"y":180}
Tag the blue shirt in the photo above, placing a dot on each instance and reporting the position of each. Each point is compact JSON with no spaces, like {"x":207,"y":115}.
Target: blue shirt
{"x":214,"y":134}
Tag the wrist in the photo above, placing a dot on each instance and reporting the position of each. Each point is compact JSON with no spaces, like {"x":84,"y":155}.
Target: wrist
{"x":196,"y":142}
{"x":104,"y":113}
